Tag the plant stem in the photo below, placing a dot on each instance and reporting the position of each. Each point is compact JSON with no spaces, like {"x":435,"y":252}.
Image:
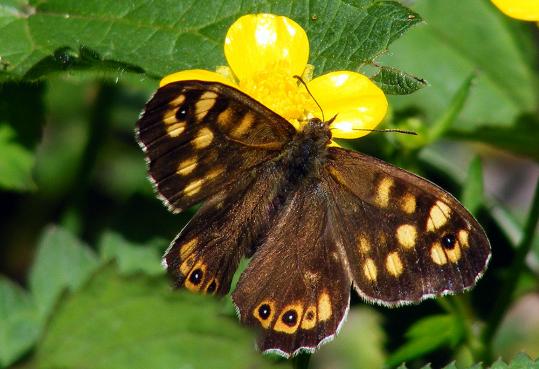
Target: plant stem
{"x":504,"y":299}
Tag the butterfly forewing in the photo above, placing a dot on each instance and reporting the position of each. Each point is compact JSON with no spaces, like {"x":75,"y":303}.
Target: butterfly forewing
{"x":199,"y":136}
{"x":406,"y":239}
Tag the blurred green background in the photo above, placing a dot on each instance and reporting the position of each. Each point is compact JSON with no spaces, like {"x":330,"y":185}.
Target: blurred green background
{"x":81,"y":232}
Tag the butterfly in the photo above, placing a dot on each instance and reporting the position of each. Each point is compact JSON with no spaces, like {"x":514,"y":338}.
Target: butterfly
{"x":317,"y":220}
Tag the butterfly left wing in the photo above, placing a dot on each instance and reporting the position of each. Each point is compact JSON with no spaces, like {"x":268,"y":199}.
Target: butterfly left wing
{"x":406,"y":239}
{"x":200,"y":136}
{"x":206,"y":253}
{"x":296,"y":289}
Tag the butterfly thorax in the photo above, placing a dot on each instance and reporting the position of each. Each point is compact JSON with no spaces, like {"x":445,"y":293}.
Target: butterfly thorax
{"x":306,"y":152}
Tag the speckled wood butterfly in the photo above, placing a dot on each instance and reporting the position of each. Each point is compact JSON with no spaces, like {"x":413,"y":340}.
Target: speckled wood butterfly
{"x":317,"y":220}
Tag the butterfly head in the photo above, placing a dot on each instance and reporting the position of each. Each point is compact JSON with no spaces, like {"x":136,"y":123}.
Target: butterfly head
{"x":318,"y":129}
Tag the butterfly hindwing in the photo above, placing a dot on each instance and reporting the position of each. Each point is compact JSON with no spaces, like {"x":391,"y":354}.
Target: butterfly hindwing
{"x":198,"y":136}
{"x":206,"y":253}
{"x":406,"y":239}
{"x":296,"y":289}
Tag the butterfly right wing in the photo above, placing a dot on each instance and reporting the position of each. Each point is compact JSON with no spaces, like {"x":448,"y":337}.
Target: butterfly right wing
{"x":200,"y":137}
{"x":406,"y":239}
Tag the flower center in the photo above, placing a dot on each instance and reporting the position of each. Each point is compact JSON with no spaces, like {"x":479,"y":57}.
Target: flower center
{"x":275,"y":87}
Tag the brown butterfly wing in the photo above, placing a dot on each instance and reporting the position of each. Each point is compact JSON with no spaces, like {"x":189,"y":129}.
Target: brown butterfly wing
{"x":205,"y":255}
{"x":296,"y":289}
{"x":199,"y":136}
{"x":406,"y":239}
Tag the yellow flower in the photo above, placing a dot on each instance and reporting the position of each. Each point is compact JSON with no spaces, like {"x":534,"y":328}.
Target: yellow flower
{"x":527,"y":10}
{"x":265,"y":52}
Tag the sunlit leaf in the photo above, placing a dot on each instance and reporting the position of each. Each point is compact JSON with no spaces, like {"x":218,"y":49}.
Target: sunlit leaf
{"x":162,"y":37}
{"x":139,"y":322}
{"x":62,"y":262}
{"x":19,"y":322}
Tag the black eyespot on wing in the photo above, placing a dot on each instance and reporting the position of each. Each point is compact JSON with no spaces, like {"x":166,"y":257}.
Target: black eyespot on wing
{"x":448,"y":240}
{"x":264,"y":311}
{"x":182,"y":112}
{"x":196,"y":276}
{"x":290,"y":318}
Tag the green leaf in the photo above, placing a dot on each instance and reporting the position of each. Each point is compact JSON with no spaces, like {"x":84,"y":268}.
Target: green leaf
{"x":523,"y":361}
{"x":19,"y":322}
{"x":520,"y":361}
{"x":427,"y":135}
{"x":353,"y":350}
{"x":462,"y":38}
{"x":450,"y":114}
{"x":62,"y":262}
{"x":472,"y":193}
{"x":139,"y":322}
{"x":395,"y":82}
{"x":130,"y":257}
{"x":370,"y":27}
{"x":427,"y":335}
{"x":166,"y":36}
{"x":20,"y":130}
{"x":16,"y":162}
{"x":83,"y":59}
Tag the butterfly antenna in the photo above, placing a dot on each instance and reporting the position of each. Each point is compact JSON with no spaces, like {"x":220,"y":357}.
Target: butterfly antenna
{"x":391,"y":130}
{"x":307,"y":88}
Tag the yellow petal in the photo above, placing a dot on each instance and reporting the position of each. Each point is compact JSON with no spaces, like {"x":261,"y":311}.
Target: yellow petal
{"x":257,"y":41}
{"x":353,"y":97}
{"x":195,"y":74}
{"x":521,"y":9}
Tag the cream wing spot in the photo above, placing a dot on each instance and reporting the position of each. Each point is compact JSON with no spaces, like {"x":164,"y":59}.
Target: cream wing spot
{"x":177,"y":101}
{"x":187,"y":264}
{"x":204,"y":104}
{"x":406,"y":235}
{"x":214,"y":173}
{"x":175,"y":129}
{"x":394,"y":264}
{"x":225,"y":118}
{"x":437,"y":254}
{"x":408,"y":203}
{"x":383,"y":192}
{"x":243,"y":126}
{"x":187,"y":248}
{"x":363,"y":244}
{"x":324,"y":307}
{"x":193,"y":187}
{"x":369,"y":269}
{"x":453,"y":254}
{"x":170,"y":117}
{"x":187,"y":166}
{"x":310,"y":277}
{"x":438,"y":216}
{"x":203,"y":138}
{"x":463,"y":238}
